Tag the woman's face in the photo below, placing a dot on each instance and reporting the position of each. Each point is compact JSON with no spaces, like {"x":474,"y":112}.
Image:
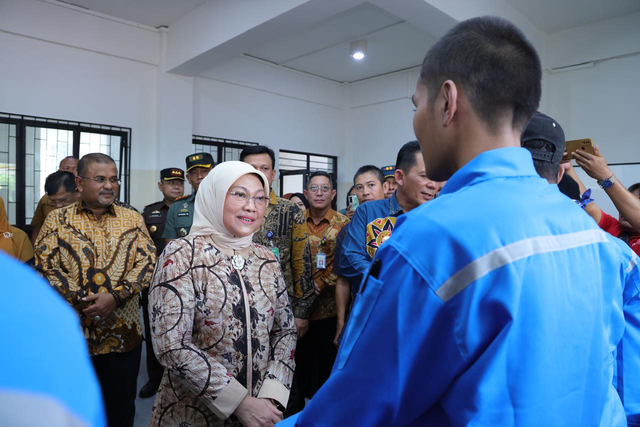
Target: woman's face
{"x":297,"y":201}
{"x":244,"y":206}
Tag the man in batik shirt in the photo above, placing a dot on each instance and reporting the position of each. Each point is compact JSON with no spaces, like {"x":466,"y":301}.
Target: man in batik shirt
{"x":99,"y":257}
{"x":315,"y":306}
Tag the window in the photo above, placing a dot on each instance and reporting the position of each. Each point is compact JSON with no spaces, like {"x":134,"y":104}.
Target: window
{"x":221,"y":149}
{"x":295,"y":167}
{"x":31,"y":148}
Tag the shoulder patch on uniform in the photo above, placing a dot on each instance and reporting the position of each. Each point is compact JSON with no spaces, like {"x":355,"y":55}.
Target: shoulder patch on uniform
{"x":184,"y":197}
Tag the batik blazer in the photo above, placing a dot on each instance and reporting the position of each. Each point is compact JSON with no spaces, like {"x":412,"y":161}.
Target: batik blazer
{"x":222,"y":332}
{"x":80,"y":256}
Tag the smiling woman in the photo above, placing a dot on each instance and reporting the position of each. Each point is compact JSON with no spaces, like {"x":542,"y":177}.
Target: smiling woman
{"x":220,"y":315}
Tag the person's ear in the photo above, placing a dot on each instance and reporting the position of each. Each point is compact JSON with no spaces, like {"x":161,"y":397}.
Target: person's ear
{"x":160,"y":186}
{"x":399,"y":175}
{"x":385,"y":186}
{"x":306,"y":194}
{"x":333,"y":194}
{"x":79,"y":184}
{"x":273,"y":175}
{"x":449,"y":103}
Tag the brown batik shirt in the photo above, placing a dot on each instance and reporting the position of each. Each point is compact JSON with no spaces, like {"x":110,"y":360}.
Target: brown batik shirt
{"x":80,"y":256}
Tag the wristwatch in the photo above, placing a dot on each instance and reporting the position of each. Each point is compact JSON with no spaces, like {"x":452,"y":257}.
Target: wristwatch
{"x":607,"y":182}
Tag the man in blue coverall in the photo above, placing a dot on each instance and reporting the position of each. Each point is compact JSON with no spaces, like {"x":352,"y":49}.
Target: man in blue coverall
{"x":500,"y":302}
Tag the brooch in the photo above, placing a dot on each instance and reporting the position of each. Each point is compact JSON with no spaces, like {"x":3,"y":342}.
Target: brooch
{"x":237,"y":261}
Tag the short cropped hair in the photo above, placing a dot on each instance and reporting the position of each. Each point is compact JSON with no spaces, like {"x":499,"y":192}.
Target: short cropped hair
{"x":634,"y":187}
{"x":495,"y":65}
{"x":407,"y":156}
{"x":91,"y":158}
{"x":60,"y":179}
{"x":258,"y":149}
{"x":547,"y":170}
{"x":320,"y":173}
{"x":369,"y":168}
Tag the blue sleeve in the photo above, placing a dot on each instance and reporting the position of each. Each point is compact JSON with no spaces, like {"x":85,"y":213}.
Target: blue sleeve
{"x":398,"y":357}
{"x":355,"y":260}
{"x":170,"y":226}
{"x":628,"y":361}
{"x":46,"y":366}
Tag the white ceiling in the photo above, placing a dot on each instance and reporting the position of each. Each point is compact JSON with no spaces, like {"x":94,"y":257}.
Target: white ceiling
{"x":323,"y":49}
{"x":154,"y":13}
{"x":552,"y":16}
{"x":393,"y":44}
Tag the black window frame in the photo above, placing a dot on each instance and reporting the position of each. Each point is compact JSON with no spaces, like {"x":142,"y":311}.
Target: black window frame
{"x":221,"y":144}
{"x":308,"y":170}
{"x":77,"y":127}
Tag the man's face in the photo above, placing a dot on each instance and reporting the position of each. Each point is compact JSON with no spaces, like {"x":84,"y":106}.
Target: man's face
{"x":171,"y":189}
{"x":414,"y":185}
{"x":368,"y":187}
{"x":428,"y":134}
{"x":69,"y":165}
{"x":63,"y":198}
{"x":262,"y":162}
{"x":390,"y":185}
{"x":319,"y":193}
{"x":624,"y":224}
{"x":196,"y":175}
{"x":99,"y":194}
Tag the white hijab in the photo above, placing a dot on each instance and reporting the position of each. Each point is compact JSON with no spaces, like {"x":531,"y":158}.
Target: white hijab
{"x":209,"y":207}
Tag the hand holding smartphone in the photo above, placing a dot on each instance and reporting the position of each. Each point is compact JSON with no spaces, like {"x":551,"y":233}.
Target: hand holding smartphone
{"x":584,"y":144}
{"x":353,"y":202}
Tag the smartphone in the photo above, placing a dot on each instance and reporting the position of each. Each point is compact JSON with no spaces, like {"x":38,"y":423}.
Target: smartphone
{"x":353,"y":202}
{"x":585,"y":144}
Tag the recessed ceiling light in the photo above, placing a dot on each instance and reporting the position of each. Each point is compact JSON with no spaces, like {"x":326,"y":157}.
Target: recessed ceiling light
{"x":358,"y":49}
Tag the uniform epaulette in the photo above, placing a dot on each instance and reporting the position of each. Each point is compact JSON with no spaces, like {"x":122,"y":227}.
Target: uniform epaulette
{"x":186,"y":196}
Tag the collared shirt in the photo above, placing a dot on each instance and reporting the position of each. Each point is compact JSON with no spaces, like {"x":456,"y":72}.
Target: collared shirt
{"x":80,"y":255}
{"x":43,"y":209}
{"x":308,"y":304}
{"x":155,"y":218}
{"x":371,"y":226}
{"x":180,"y":217}
{"x":498,"y":303}
{"x":281,"y":218}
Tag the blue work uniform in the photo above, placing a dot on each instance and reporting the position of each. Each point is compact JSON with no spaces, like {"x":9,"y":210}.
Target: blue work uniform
{"x":371,"y":225}
{"x":47,"y":378}
{"x":497,"y":304}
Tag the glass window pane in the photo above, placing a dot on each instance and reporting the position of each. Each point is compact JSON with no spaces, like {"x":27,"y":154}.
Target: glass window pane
{"x":292,"y":183}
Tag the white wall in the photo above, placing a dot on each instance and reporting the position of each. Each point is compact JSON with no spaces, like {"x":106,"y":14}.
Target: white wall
{"x":603,"y":101}
{"x":253,"y":101}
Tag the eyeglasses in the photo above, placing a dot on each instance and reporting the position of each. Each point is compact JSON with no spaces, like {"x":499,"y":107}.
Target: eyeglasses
{"x":244,"y":198}
{"x":102,"y":180}
{"x":324,"y":188}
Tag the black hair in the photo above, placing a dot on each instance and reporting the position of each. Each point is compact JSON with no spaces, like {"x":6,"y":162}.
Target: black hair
{"x":495,"y":65}
{"x":634,"y":187}
{"x":547,"y":170}
{"x":258,"y":149}
{"x":370,"y":168}
{"x":60,"y":179}
{"x":320,"y":173}
{"x":91,"y":158}
{"x":300,"y":196}
{"x":407,"y":156}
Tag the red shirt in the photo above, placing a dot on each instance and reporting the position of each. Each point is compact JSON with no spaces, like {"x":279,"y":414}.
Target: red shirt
{"x":612,"y":226}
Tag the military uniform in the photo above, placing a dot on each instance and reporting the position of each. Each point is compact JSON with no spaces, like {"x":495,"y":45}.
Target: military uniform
{"x":155,"y":216}
{"x":180,"y":217}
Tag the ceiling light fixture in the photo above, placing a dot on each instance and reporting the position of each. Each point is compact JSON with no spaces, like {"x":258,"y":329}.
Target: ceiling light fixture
{"x":358,"y":49}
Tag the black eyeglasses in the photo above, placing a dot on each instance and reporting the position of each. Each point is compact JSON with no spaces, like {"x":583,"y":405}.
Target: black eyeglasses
{"x":102,"y":179}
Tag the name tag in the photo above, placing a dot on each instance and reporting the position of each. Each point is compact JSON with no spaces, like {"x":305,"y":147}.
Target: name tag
{"x":321,"y":261}
{"x":155,"y":215}
{"x":183,"y":213}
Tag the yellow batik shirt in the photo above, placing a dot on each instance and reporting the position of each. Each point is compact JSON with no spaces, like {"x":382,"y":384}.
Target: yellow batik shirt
{"x":80,"y":256}
{"x":308,"y":304}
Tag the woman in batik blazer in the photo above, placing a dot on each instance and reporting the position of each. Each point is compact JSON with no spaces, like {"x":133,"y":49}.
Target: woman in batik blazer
{"x":220,"y":317}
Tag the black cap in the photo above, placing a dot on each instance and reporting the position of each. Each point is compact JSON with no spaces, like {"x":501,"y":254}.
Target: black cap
{"x":388,"y":171}
{"x":199,"y":160}
{"x":547,"y":129}
{"x":170,"y":174}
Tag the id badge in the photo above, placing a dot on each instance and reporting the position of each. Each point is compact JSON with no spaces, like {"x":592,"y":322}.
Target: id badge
{"x":321,"y":261}
{"x":276,"y":252}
